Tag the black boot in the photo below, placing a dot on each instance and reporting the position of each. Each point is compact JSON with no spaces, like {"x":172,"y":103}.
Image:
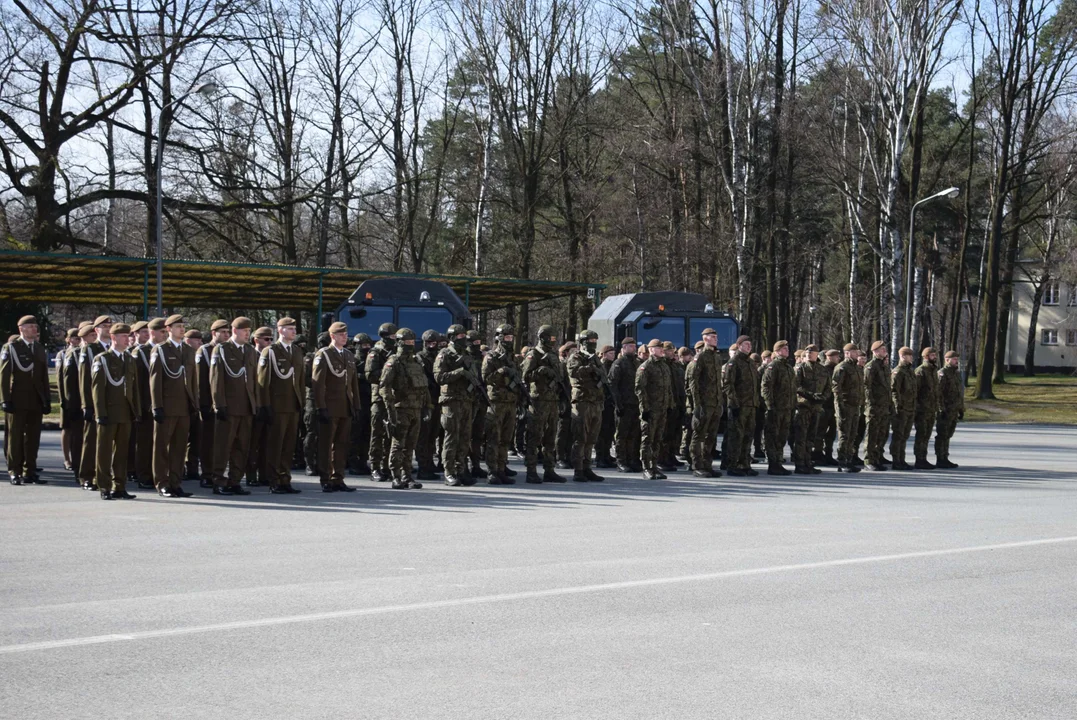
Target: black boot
{"x":550,"y":475}
{"x":532,"y":477}
{"x":777,"y":469}
{"x":592,"y":475}
{"x":922,"y":464}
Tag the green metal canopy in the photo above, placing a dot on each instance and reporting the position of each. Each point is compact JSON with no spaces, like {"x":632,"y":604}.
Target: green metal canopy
{"x":118,"y":280}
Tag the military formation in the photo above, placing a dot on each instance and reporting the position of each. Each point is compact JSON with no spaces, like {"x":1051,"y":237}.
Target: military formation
{"x":155,"y":403}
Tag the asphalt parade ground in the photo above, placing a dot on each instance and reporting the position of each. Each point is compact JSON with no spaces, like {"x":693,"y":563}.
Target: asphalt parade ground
{"x":877,"y":595}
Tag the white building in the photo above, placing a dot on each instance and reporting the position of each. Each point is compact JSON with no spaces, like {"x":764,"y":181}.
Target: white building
{"x":1056,"y":328}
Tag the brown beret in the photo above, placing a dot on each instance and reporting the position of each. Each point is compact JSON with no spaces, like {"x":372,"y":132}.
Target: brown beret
{"x":242,"y":323}
{"x":877,"y":344}
{"x":733,"y":347}
{"x":338,"y":327}
{"x":264,"y":332}
{"x":850,"y":346}
{"x":709,"y":331}
{"x":780,"y":344}
{"x":811,"y":348}
{"x":754,"y":357}
{"x":27,"y":320}
{"x":798,"y":353}
{"x":85,"y":323}
{"x":193,"y":334}
{"x":629,"y":341}
{"x":102,"y":320}
{"x":156,"y":324}
{"x":950,"y":354}
{"x":833,"y":352}
{"x":927,"y":351}
{"x":119,"y":328}
{"x":766,"y":354}
{"x":138,"y":326}
{"x":605,"y":349}
{"x":72,"y":332}
{"x":174,"y":320}
{"x":220,"y":325}
{"x":743,"y":339}
{"x":668,"y":345}
{"x":683,"y":351}
{"x":700,"y":344}
{"x":655,"y":343}
{"x":87,"y":331}
{"x":285,"y":322}
{"x":905,"y":351}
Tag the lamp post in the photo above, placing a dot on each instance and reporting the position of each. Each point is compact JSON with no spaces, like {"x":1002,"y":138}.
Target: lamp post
{"x":206,"y":90}
{"x":966,"y":305}
{"x":947,"y":193}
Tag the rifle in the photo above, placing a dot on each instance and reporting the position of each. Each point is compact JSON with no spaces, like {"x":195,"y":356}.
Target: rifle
{"x":477,"y":385}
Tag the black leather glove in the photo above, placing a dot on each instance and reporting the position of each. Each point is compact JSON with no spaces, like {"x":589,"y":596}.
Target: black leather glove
{"x":645,"y":416}
{"x":102,"y":420}
{"x":323,"y":416}
{"x":9,"y":407}
{"x":733,"y":413}
{"x":48,"y":409}
{"x":87,"y":415}
{"x":158,"y":415}
{"x":222,"y":413}
{"x":206,"y":414}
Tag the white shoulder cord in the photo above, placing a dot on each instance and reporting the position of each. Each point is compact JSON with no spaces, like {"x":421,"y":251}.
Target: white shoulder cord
{"x":164,"y":363}
{"x":224,"y":362}
{"x":102,"y":364}
{"x":329,"y":363}
{"x":276,"y":370}
{"x":15,"y":359}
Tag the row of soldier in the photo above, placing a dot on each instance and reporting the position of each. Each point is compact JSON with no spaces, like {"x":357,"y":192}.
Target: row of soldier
{"x":357,"y":406}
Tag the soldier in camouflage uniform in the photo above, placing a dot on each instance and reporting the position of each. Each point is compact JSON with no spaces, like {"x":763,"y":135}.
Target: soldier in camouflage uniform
{"x":564,"y":411}
{"x":759,"y":443}
{"x":779,"y":390}
{"x":478,"y":412}
{"x":877,"y":405}
{"x":727,"y":420}
{"x":927,"y":405}
{"x":742,"y":398}
{"x":541,"y":373}
{"x":504,"y":388}
{"x":811,"y":379}
{"x":903,"y":393}
{"x":604,"y":443}
{"x":654,"y":394}
{"x":454,"y":373}
{"x":847,"y":384}
{"x":428,"y":431}
{"x":951,"y":409}
{"x":675,"y":418}
{"x":379,"y":433}
{"x":406,"y":397}
{"x":827,"y":429}
{"x":588,"y":381}
{"x":310,"y":413}
{"x":623,"y":382}
{"x":359,"y":452}
{"x":704,"y":388}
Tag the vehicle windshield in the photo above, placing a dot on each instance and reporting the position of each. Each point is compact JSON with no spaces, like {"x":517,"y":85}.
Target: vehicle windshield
{"x":727,"y":329}
{"x":421,"y":319}
{"x":366,"y":319}
{"x":663,"y":328}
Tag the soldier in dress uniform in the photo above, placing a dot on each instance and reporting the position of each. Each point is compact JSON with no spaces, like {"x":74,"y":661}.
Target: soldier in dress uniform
{"x":27,"y":397}
{"x":233,"y":369}
{"x":541,"y":372}
{"x":71,"y":395}
{"x":927,"y":406}
{"x":66,"y":435}
{"x":281,"y":392}
{"x":96,"y":340}
{"x":360,"y":446}
{"x":847,"y":384}
{"x":335,"y":395}
{"x":407,"y":402}
{"x":703,"y":379}
{"x":311,"y":445}
{"x":379,"y":433}
{"x":623,"y":383}
{"x":220,"y":331}
{"x":588,"y":381}
{"x":193,"y":470}
{"x":504,"y":387}
{"x":951,"y":409}
{"x":114,"y":386}
{"x":428,"y":431}
{"x":174,"y":395}
{"x":257,"y":458}
{"x":878,"y":407}
{"x":140,"y":458}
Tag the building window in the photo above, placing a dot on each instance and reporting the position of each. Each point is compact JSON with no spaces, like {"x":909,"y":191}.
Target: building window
{"x":1050,"y":293}
{"x":1049,"y":337}
{"x":1073,"y":297}
{"x":1071,"y":337}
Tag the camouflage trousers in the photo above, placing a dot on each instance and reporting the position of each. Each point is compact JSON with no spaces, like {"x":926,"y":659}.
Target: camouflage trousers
{"x":564,"y":435}
{"x":805,"y":430}
{"x":541,"y":433}
{"x":457,"y":422}
{"x":500,"y":431}
{"x":428,"y":437}
{"x":847,"y":419}
{"x":653,"y":438}
{"x":704,"y":436}
{"x":586,"y":422}
{"x":739,"y":435}
{"x":478,"y":431}
{"x":826,"y":429}
{"x":776,"y":431}
{"x":604,"y":443}
{"x":627,"y":437}
{"x":924,"y":423}
{"x":902,"y":426}
{"x":311,"y":453}
{"x":359,"y":449}
{"x":405,"y":435}
{"x":945,"y":426}
{"x":878,"y":428}
{"x":379,"y":437}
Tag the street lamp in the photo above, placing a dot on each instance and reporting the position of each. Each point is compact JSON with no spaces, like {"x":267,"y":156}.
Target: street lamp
{"x":206,"y":90}
{"x":947,"y":193}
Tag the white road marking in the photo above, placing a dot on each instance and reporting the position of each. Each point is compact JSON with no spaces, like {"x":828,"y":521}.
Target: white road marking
{"x":508,"y":597}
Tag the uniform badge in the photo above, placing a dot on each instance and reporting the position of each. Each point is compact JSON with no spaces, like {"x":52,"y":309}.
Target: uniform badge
{"x":213,"y":361}
{"x":262,"y":361}
{"x":3,"y":353}
{"x":317,"y":360}
{"x":198,"y":358}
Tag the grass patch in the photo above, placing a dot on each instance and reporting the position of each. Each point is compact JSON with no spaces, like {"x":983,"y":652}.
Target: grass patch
{"x":1048,"y":399}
